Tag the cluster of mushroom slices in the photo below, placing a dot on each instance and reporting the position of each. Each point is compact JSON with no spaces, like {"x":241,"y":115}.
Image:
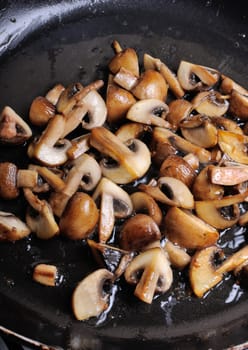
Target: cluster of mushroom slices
{"x":159,"y":169}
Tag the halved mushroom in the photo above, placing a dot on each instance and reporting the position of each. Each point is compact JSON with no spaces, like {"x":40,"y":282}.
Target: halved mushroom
{"x":132,"y":159}
{"x":13,"y":129}
{"x":79,"y":217}
{"x":192,"y":76}
{"x":50,"y":149}
{"x":181,"y":144}
{"x":41,"y":111}
{"x":178,"y":110}
{"x":150,"y":84}
{"x":156,"y":274}
{"x":203,"y":272}
{"x":124,"y":58}
{"x":169,"y":191}
{"x":199,"y":131}
{"x":178,"y":257}
{"x":234,"y":145}
{"x":114,"y":203}
{"x":155,"y":63}
{"x":182,"y":227}
{"x":96,"y":110}
{"x":150,"y":112}
{"x":12,"y":228}
{"x":211,"y":103}
{"x":175,"y":166}
{"x":228,"y":175}
{"x":239,"y":104}
{"x":39,"y":216}
{"x":137,"y":232}
{"x":204,"y":189}
{"x":89,"y":298}
{"x":145,"y":204}
{"x":221,"y":213}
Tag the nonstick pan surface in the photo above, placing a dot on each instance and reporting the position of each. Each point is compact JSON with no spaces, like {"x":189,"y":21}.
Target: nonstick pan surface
{"x":48,"y":42}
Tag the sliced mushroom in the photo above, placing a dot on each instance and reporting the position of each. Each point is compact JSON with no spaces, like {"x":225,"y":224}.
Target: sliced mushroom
{"x":51,"y":178}
{"x":192,"y":76}
{"x":169,"y":191}
{"x":239,"y":104}
{"x":150,"y":84}
{"x":12,"y":228}
{"x":145,"y":204}
{"x":39,"y":216}
{"x":227,"y":124}
{"x":137,"y":232}
{"x":228,"y":85}
{"x":41,"y":111}
{"x":132,"y":159}
{"x":192,"y":160}
{"x":114,"y":203}
{"x":126,"y":79}
{"x":181,"y":144}
{"x":124,"y":58}
{"x":156,"y":274}
{"x":13,"y":129}
{"x":96,"y":110}
{"x":204,"y":189}
{"x":175,"y":166}
{"x":216,"y":213}
{"x":150,"y":112}
{"x":79,"y":146}
{"x":89,"y":298}
{"x":187,"y":230}
{"x":178,"y":257}
{"x":228,"y":175}
{"x":210,"y":103}
{"x":50,"y":149}
{"x":234,"y":145}
{"x":45,"y":274}
{"x":132,"y":130}
{"x":178,"y":111}
{"x":79,"y":217}
{"x":54,"y":93}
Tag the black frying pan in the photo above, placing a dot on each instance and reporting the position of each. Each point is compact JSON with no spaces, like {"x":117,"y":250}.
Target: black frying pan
{"x":46,"y":42}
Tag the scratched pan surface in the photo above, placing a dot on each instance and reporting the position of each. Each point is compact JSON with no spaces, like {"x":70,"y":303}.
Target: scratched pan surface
{"x":43,"y":43}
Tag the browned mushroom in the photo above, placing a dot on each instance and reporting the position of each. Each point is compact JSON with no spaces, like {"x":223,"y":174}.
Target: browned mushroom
{"x":211,"y":103}
{"x":124,"y":58}
{"x":234,"y":145}
{"x":41,"y":111}
{"x":12,"y":228}
{"x":239,"y":104}
{"x":178,"y":110}
{"x":145,"y":204}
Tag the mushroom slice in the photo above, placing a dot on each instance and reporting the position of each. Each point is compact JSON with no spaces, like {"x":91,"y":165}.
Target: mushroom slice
{"x":150,"y":84}
{"x":156,"y":274}
{"x":124,"y":58}
{"x":210,"y":103}
{"x":181,"y":144}
{"x":228,"y":175}
{"x":84,"y":172}
{"x":89,"y":298}
{"x":150,"y":112}
{"x":8,"y":180}
{"x":12,"y":228}
{"x":221,"y":213}
{"x":187,"y":230}
{"x":138,"y":231}
{"x":45,"y":274}
{"x":41,"y":111}
{"x":13,"y":129}
{"x":79,"y":146}
{"x":227,"y":124}
{"x":96,"y":110}
{"x":144,"y":203}
{"x":204,"y":189}
{"x":171,"y":79}
{"x":178,"y":111}
{"x":53,"y":179}
{"x":189,"y":75}
{"x":204,"y":274}
{"x":178,"y":257}
{"x":132,"y":130}
{"x":50,"y":149}
{"x":239,"y":104}
{"x":114,"y":203}
{"x":125,"y":79}
{"x":132,"y":159}
{"x":234,"y":145}
{"x":204,"y":135}
{"x":228,"y":85}
{"x":54,"y":93}
{"x":169,"y":191}
{"x":177,"y":167}
{"x":40,"y":218}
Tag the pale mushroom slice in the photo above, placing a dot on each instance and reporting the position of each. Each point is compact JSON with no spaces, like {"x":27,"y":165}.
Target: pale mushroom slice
{"x":221,"y":213}
{"x":228,"y":175}
{"x":12,"y":228}
{"x":156,"y":275}
{"x":170,"y":77}
{"x":79,"y":146}
{"x":41,"y":111}
{"x":39,"y":216}
{"x":178,"y":256}
{"x":50,"y":149}
{"x":114,"y":203}
{"x":205,"y":274}
{"x":125,"y":79}
{"x":181,"y":144}
{"x":193,"y":76}
{"x":211,"y":103}
{"x":131,"y":159}
{"x":145,"y":204}
{"x":89,"y":298}
{"x":239,"y":104}
{"x":150,"y":112}
{"x":185,"y":229}
{"x":200,"y":131}
{"x":124,"y":58}
{"x":96,"y":110}
{"x":13,"y":129}
{"x":54,"y":93}
{"x":234,"y":145}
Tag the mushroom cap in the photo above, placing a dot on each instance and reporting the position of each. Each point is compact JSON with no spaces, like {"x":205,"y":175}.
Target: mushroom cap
{"x":41,"y":111}
{"x":127,"y":59}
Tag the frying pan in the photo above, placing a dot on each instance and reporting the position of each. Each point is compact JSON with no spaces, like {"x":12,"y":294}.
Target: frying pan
{"x":47,"y":42}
